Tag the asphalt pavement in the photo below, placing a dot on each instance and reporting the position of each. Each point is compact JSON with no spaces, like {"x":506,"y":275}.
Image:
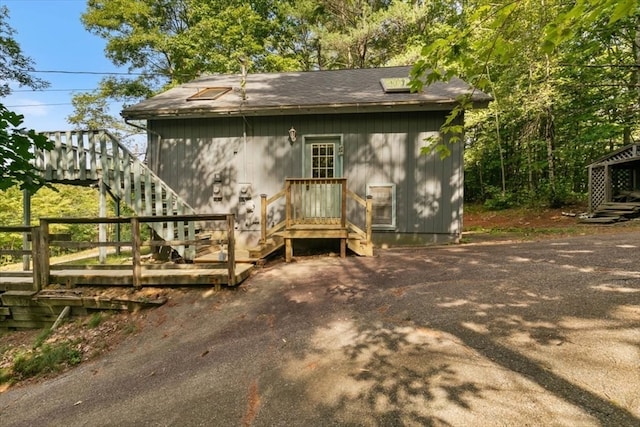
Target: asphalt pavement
{"x":513,"y":334}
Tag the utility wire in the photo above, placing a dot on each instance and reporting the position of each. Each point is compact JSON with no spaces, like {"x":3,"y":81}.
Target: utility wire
{"x":37,"y":105}
{"x":108,"y":73}
{"x":49,"y":90}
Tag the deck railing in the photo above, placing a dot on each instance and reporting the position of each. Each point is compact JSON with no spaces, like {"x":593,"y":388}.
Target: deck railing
{"x":315,"y":202}
{"x":98,"y":156}
{"x":32,"y":233}
{"x":43,"y":240}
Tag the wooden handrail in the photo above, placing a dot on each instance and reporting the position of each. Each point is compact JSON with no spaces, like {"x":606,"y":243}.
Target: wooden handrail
{"x":42,"y":241}
{"x":291,"y":207}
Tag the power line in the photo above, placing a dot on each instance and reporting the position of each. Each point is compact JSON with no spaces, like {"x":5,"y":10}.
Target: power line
{"x":99,"y":73}
{"x":50,"y":90}
{"x":37,"y":105}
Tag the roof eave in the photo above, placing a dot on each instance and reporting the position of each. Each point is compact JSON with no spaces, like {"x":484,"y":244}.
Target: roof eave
{"x":290,"y":110}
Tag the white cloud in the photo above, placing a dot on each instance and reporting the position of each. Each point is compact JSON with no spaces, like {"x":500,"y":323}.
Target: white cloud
{"x":30,"y":107}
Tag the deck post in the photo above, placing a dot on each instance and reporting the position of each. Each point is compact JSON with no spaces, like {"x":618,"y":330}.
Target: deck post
{"x":117,"y":225}
{"x":35,"y":250}
{"x":288,"y":249}
{"x":102,"y":227}
{"x":343,"y":205}
{"x":231,"y":251}
{"x":26,"y":220}
{"x":43,"y":254}
{"x":287,"y":193}
{"x":263,"y":219}
{"x":135,"y":248}
{"x":369,"y":218}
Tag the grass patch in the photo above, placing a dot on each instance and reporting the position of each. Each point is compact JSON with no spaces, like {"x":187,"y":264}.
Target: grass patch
{"x":49,"y":358}
{"x":42,"y":337}
{"x":95,"y":320}
{"x":40,"y":359}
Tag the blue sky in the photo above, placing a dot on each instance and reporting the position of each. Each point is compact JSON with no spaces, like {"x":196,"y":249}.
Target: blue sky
{"x":51,"y":34}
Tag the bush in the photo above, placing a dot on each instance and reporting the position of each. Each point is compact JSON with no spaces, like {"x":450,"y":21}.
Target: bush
{"x":497,"y":200}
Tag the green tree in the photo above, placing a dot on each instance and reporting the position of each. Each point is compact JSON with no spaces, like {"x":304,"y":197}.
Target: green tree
{"x":555,"y":71}
{"x":17,"y":155}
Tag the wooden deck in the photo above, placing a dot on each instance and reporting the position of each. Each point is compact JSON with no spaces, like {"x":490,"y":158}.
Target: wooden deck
{"x":71,"y":276}
{"x":200,"y":275}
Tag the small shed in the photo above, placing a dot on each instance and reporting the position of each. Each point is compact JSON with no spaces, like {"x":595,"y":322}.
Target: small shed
{"x":614,"y":176}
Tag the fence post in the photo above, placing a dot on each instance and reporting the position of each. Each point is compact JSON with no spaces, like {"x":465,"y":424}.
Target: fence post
{"x":43,"y":254}
{"x":263,"y":219}
{"x":369,"y":217}
{"x":102,"y":227}
{"x":135,"y":248}
{"x":231,"y":249}
{"x":26,"y":212}
{"x":35,"y":250}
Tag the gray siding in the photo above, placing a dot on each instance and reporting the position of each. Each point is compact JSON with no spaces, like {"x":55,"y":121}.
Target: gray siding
{"x":378,"y":148}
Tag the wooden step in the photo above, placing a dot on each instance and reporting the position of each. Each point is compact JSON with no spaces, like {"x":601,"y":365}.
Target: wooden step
{"x":359,"y":246}
{"x":268,"y":248}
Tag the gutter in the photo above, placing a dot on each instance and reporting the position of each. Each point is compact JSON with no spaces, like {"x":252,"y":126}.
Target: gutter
{"x":288,"y":110}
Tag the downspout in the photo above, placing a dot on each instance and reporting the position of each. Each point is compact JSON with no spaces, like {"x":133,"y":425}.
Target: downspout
{"x":244,"y":141}
{"x":156,"y":158}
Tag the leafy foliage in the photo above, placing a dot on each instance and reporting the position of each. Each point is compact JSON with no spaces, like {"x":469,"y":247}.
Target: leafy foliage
{"x":17,"y":154}
{"x":564,"y":78}
{"x":59,"y":201}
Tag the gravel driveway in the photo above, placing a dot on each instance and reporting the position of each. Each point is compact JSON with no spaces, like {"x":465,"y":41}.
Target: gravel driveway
{"x":524,"y":334}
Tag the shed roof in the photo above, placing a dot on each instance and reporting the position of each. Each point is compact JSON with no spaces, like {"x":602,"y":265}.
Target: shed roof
{"x":312,"y":92}
{"x":628,"y":153}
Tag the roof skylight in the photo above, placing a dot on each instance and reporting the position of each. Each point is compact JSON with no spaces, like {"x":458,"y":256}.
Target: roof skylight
{"x":209,"y":94}
{"x":395,"y":84}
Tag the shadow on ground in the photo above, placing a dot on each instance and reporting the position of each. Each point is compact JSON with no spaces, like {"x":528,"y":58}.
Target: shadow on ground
{"x":543,"y":333}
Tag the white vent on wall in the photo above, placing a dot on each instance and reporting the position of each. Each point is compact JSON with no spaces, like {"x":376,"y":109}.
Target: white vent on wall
{"x":384,"y":206}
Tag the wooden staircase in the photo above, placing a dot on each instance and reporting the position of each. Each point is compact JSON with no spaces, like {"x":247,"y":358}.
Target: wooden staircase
{"x":97,"y":157}
{"x":315,"y":208}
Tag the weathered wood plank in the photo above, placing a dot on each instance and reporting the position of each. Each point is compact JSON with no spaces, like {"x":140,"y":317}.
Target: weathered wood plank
{"x":17,"y":298}
{"x":138,"y":194}
{"x":126,"y":167}
{"x":82,"y":156}
{"x":93,"y":156}
{"x":116,"y":167}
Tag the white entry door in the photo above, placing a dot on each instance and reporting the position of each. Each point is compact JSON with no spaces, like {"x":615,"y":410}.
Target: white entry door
{"x":322,"y":159}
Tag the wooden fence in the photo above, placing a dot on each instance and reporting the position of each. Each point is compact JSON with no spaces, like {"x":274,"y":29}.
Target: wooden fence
{"x":43,"y":241}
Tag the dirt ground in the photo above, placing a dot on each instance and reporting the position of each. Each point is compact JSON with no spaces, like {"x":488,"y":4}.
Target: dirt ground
{"x":481,"y":227}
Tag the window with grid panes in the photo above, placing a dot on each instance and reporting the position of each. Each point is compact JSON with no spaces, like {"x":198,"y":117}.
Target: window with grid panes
{"x":322,"y":160}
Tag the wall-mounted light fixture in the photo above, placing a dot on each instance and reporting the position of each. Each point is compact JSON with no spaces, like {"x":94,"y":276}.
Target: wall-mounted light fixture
{"x":292,"y":135}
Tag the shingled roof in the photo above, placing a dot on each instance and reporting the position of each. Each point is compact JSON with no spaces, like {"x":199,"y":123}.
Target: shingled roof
{"x":313,"y":92}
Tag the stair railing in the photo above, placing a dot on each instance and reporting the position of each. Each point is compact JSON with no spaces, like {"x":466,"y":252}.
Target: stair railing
{"x":88,"y":156}
{"x":294,"y":205}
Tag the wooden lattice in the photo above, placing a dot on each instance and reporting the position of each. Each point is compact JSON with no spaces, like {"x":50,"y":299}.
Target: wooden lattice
{"x":621,"y":180}
{"x":598,"y":190}
{"x":624,"y":154}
